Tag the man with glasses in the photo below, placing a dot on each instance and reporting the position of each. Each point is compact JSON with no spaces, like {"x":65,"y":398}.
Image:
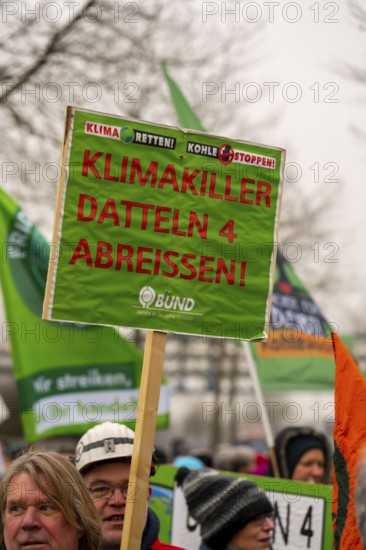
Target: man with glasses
{"x":103,"y":457}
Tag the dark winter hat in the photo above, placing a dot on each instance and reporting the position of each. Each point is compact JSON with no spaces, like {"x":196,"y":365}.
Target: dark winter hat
{"x":292,"y":443}
{"x":298,"y":447}
{"x":222,"y":505}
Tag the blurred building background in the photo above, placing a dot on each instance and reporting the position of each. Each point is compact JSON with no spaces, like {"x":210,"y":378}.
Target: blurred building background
{"x":211,"y":398}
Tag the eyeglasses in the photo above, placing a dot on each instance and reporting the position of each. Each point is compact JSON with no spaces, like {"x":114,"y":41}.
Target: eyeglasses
{"x":107,"y":490}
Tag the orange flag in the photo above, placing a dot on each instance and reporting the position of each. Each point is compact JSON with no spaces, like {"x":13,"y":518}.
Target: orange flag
{"x":349,"y":439}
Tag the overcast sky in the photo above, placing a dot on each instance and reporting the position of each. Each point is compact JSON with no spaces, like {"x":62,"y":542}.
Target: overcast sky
{"x":303,"y":51}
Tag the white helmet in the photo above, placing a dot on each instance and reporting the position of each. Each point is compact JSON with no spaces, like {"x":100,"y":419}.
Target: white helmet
{"x":107,"y":441}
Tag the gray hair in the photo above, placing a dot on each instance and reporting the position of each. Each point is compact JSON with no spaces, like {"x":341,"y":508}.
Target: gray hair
{"x":59,"y":480}
{"x":235,"y":458}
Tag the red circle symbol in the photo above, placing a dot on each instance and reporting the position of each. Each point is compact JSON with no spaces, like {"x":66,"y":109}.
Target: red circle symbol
{"x":225,"y":154}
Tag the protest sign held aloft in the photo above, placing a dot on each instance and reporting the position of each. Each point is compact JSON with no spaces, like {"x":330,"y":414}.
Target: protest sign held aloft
{"x":163,"y":229}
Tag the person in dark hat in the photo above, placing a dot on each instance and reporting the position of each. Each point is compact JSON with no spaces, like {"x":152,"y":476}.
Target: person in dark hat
{"x":302,"y":454}
{"x":232,"y":512}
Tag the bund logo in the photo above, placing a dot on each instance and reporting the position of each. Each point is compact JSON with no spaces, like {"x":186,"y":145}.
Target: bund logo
{"x":148,"y":297}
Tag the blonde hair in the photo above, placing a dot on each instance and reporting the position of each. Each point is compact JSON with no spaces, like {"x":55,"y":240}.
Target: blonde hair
{"x":59,"y":480}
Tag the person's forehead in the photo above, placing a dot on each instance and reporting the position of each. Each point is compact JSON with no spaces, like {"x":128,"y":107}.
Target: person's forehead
{"x":313,"y":453}
{"x":23,"y":487}
{"x":115,"y":472}
{"x":22,"y":479}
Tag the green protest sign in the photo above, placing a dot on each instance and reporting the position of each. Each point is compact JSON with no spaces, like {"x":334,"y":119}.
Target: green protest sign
{"x":302,"y":512}
{"x":164,"y":229}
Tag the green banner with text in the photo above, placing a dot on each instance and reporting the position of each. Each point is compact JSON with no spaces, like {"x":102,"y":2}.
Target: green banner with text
{"x":299,"y":352}
{"x":69,"y":376}
{"x":164,"y":229}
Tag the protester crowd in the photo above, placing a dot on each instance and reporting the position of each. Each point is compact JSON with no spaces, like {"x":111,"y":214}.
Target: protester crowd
{"x":60,"y":503}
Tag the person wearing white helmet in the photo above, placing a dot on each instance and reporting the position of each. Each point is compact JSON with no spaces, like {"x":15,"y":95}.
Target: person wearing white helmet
{"x":103,"y":457}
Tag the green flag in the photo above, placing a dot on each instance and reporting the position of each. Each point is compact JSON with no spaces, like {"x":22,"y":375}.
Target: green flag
{"x":186,"y":116}
{"x":69,"y":376}
{"x":298,"y":353}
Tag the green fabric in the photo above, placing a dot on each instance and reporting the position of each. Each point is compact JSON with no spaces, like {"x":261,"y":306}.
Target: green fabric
{"x":341,"y":473}
{"x":186,"y":116}
{"x":68,"y":376}
{"x":299,"y":352}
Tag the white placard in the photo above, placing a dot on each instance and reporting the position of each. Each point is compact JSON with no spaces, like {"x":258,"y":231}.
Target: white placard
{"x":299,"y":522}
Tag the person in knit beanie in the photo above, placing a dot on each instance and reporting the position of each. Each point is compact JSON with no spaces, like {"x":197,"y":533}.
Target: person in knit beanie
{"x":302,"y":454}
{"x":233,"y":513}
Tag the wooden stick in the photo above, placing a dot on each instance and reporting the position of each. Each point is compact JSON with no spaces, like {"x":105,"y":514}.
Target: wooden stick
{"x":152,"y":372}
{"x":46,"y":313}
{"x":259,"y":395}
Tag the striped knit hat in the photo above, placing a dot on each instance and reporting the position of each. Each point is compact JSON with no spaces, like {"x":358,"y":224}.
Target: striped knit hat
{"x":222,"y":505}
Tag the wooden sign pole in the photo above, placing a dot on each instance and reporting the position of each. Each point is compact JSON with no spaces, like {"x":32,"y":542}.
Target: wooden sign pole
{"x":265,"y":420}
{"x":151,"y":378}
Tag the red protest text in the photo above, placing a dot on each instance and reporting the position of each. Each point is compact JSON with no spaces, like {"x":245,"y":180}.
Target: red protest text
{"x":149,"y":261}
{"x":200,"y":183}
{"x":131,"y":214}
